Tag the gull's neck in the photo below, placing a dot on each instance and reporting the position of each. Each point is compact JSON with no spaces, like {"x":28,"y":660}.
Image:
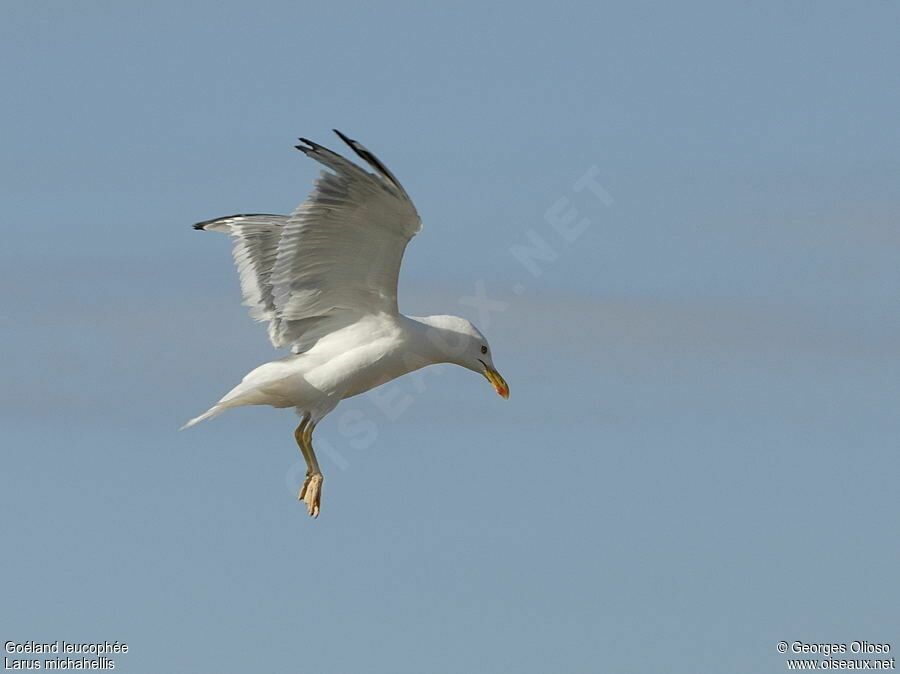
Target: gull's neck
{"x":429,"y":340}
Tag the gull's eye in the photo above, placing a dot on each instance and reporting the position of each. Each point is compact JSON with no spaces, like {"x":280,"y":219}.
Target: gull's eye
{"x":483,"y":349}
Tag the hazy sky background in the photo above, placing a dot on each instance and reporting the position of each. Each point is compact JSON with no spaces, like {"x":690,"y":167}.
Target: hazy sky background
{"x":699,"y":457}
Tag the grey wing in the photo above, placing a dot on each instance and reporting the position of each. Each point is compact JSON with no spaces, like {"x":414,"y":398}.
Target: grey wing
{"x":335,"y":259}
{"x":339,"y":255}
{"x":255,"y":240}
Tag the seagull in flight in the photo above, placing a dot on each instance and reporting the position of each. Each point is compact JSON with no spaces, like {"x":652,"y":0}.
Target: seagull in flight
{"x":325,"y":280}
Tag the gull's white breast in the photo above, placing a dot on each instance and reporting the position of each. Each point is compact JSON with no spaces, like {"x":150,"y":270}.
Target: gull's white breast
{"x":364,"y":355}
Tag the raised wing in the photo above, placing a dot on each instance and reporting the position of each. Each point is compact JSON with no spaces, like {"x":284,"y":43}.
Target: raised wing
{"x":256,"y":240}
{"x":336,"y":258}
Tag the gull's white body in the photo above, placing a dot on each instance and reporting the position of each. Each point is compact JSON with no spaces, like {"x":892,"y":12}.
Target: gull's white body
{"x":325,"y":280}
{"x":345,"y":363}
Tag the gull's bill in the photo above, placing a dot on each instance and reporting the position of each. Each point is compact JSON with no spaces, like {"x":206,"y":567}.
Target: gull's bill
{"x":497,"y":381}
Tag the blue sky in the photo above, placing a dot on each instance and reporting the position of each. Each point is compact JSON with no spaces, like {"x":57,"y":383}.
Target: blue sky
{"x":698,"y":457}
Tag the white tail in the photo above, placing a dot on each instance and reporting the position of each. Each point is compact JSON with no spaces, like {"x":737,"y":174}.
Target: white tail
{"x":208,"y":414}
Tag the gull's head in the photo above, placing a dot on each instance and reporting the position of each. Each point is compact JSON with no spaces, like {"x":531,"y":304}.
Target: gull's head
{"x":458,"y":341}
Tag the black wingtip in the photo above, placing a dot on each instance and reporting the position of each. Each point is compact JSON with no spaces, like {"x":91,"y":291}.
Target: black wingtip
{"x":344,"y":138}
{"x":206,"y":223}
{"x":370,"y":159}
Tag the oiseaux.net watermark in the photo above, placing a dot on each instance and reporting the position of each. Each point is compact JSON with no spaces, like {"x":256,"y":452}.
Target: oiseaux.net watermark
{"x":852,"y":655}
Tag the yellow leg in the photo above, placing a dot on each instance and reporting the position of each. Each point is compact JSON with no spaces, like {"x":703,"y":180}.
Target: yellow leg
{"x":298,"y":436}
{"x":311,"y":492}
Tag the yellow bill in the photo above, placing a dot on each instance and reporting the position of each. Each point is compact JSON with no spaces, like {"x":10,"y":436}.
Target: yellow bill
{"x":499,"y":384}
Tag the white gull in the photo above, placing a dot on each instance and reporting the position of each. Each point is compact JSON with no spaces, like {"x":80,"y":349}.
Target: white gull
{"x":325,"y":280}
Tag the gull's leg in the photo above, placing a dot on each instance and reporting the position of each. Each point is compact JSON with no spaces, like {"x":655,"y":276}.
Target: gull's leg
{"x":298,"y":436}
{"x":312,"y":489}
